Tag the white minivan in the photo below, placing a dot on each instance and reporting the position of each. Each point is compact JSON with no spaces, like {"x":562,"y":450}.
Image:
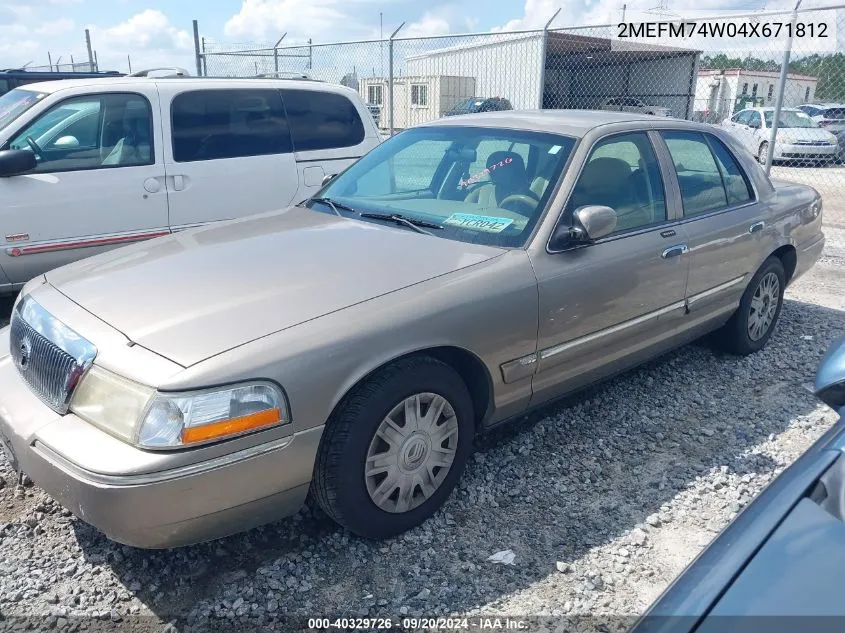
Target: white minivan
{"x":90,"y":164}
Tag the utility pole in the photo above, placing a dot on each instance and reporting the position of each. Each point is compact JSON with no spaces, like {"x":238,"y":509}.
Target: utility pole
{"x":90,"y":52}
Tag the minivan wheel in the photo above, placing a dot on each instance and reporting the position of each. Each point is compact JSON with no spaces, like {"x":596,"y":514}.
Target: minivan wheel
{"x":754,"y":321}
{"x":395,"y":448}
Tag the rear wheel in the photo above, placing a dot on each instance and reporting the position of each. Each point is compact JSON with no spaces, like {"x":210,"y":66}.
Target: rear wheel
{"x":754,"y":321}
{"x":395,"y":449}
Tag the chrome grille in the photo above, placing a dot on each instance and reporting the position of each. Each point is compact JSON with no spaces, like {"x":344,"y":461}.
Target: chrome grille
{"x":50,"y":357}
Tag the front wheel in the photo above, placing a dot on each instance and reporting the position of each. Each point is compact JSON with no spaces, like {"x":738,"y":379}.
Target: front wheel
{"x":395,"y":449}
{"x":754,"y":321}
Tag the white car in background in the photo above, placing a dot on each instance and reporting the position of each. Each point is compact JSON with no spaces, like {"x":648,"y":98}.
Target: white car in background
{"x":632,"y":104}
{"x":799,"y":137}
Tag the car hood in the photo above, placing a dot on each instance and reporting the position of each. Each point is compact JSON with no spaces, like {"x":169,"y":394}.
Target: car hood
{"x":793,"y":134}
{"x":202,"y":291}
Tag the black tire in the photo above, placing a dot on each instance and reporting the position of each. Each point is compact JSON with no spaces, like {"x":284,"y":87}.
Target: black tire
{"x":734,"y":336}
{"x":339,"y":485}
{"x":763,"y":152}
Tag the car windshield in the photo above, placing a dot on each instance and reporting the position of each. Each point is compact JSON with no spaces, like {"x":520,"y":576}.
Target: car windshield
{"x":15,"y":103}
{"x":481,"y":185}
{"x":468,"y":105}
{"x":790,"y":119}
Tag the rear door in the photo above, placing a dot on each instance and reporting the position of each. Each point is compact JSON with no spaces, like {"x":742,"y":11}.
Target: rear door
{"x":99,"y":182}
{"x":329,"y":133}
{"x":228,"y":152}
{"x":722,"y":219}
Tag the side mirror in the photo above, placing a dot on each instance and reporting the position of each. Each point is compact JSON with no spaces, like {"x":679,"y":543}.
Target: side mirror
{"x":595,"y":221}
{"x":14,"y":162}
{"x":590,"y":223}
{"x":830,"y":377}
{"x":328,"y":178}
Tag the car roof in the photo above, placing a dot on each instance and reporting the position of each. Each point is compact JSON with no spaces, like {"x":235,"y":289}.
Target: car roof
{"x":568,"y":122}
{"x":204,"y":82}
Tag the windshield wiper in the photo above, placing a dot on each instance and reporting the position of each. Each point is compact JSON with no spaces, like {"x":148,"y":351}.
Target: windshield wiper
{"x":412,"y":223}
{"x":334,"y":204}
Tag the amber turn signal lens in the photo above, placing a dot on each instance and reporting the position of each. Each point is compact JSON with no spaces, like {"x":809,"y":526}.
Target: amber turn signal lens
{"x":234,"y":426}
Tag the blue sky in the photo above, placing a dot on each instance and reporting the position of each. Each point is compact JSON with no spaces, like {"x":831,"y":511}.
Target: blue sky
{"x":159,"y":33}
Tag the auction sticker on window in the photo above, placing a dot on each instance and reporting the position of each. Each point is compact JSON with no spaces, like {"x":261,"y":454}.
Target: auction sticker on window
{"x":486,"y":223}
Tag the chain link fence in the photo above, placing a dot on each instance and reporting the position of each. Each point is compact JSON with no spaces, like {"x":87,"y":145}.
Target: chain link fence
{"x":408,"y":80}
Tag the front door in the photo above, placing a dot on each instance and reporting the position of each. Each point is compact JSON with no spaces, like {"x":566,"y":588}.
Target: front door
{"x":228,"y":153}
{"x":99,"y":182}
{"x":607,"y":304}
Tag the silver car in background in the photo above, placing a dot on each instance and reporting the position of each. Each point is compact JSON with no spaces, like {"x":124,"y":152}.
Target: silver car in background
{"x":457,"y":276}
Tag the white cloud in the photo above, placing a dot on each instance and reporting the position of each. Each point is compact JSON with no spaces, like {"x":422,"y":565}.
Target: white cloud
{"x":150,"y":38}
{"x":56,"y":27}
{"x":428,"y":25}
{"x":535,"y":15}
{"x":268,"y":19}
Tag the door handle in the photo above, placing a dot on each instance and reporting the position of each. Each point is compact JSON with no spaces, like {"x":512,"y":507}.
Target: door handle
{"x":675,"y":251}
{"x":178,"y":183}
{"x":757,"y":226}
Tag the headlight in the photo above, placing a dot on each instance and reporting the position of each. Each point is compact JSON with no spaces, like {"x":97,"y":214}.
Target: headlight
{"x":150,"y":419}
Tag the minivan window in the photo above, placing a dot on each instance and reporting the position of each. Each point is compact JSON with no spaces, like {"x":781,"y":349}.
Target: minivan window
{"x":15,"y":103}
{"x":216,"y":124}
{"x":91,"y":132}
{"x":322,"y":120}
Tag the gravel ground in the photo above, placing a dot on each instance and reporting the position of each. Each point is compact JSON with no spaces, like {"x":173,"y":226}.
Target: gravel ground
{"x":603,"y":499}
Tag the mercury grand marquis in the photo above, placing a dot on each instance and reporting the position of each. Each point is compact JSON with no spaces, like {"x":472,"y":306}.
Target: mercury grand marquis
{"x":350,"y":347}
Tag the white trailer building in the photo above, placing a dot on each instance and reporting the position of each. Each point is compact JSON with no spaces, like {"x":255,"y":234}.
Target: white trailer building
{"x":721,"y":92}
{"x":418,"y":98}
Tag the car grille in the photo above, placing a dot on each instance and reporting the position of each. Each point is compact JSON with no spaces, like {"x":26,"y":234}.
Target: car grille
{"x":815,"y":143}
{"x":50,"y":357}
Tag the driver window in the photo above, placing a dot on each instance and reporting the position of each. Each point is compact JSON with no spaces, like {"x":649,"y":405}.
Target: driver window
{"x":91,"y":132}
{"x":622,"y":173}
{"x":754,"y":119}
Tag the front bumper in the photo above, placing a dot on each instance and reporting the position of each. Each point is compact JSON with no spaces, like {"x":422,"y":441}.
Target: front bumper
{"x":175,"y":505}
{"x":788,"y":151}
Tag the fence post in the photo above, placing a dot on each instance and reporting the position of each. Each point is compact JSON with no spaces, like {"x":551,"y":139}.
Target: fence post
{"x":784,"y":70}
{"x":197,"y":53}
{"x":204,"y":60}
{"x":390,"y":76}
{"x":50,"y":61}
{"x":543,"y":47}
{"x":276,"y":53}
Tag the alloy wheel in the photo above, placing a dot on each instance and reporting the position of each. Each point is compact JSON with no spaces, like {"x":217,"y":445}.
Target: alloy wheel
{"x":764,"y":306}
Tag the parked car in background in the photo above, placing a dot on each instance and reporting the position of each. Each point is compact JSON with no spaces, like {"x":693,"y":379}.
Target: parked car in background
{"x":12,"y":78}
{"x":798,"y":138}
{"x":169,"y":153}
{"x":479,"y":104}
{"x":355,"y":344}
{"x":782,"y":560}
{"x":831,"y":117}
{"x":632,"y":104}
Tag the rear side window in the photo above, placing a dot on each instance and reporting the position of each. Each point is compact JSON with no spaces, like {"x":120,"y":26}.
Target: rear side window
{"x":736,"y":183}
{"x":322,"y":120}
{"x":834,"y":113}
{"x":702,"y":189}
{"x":214,"y":124}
